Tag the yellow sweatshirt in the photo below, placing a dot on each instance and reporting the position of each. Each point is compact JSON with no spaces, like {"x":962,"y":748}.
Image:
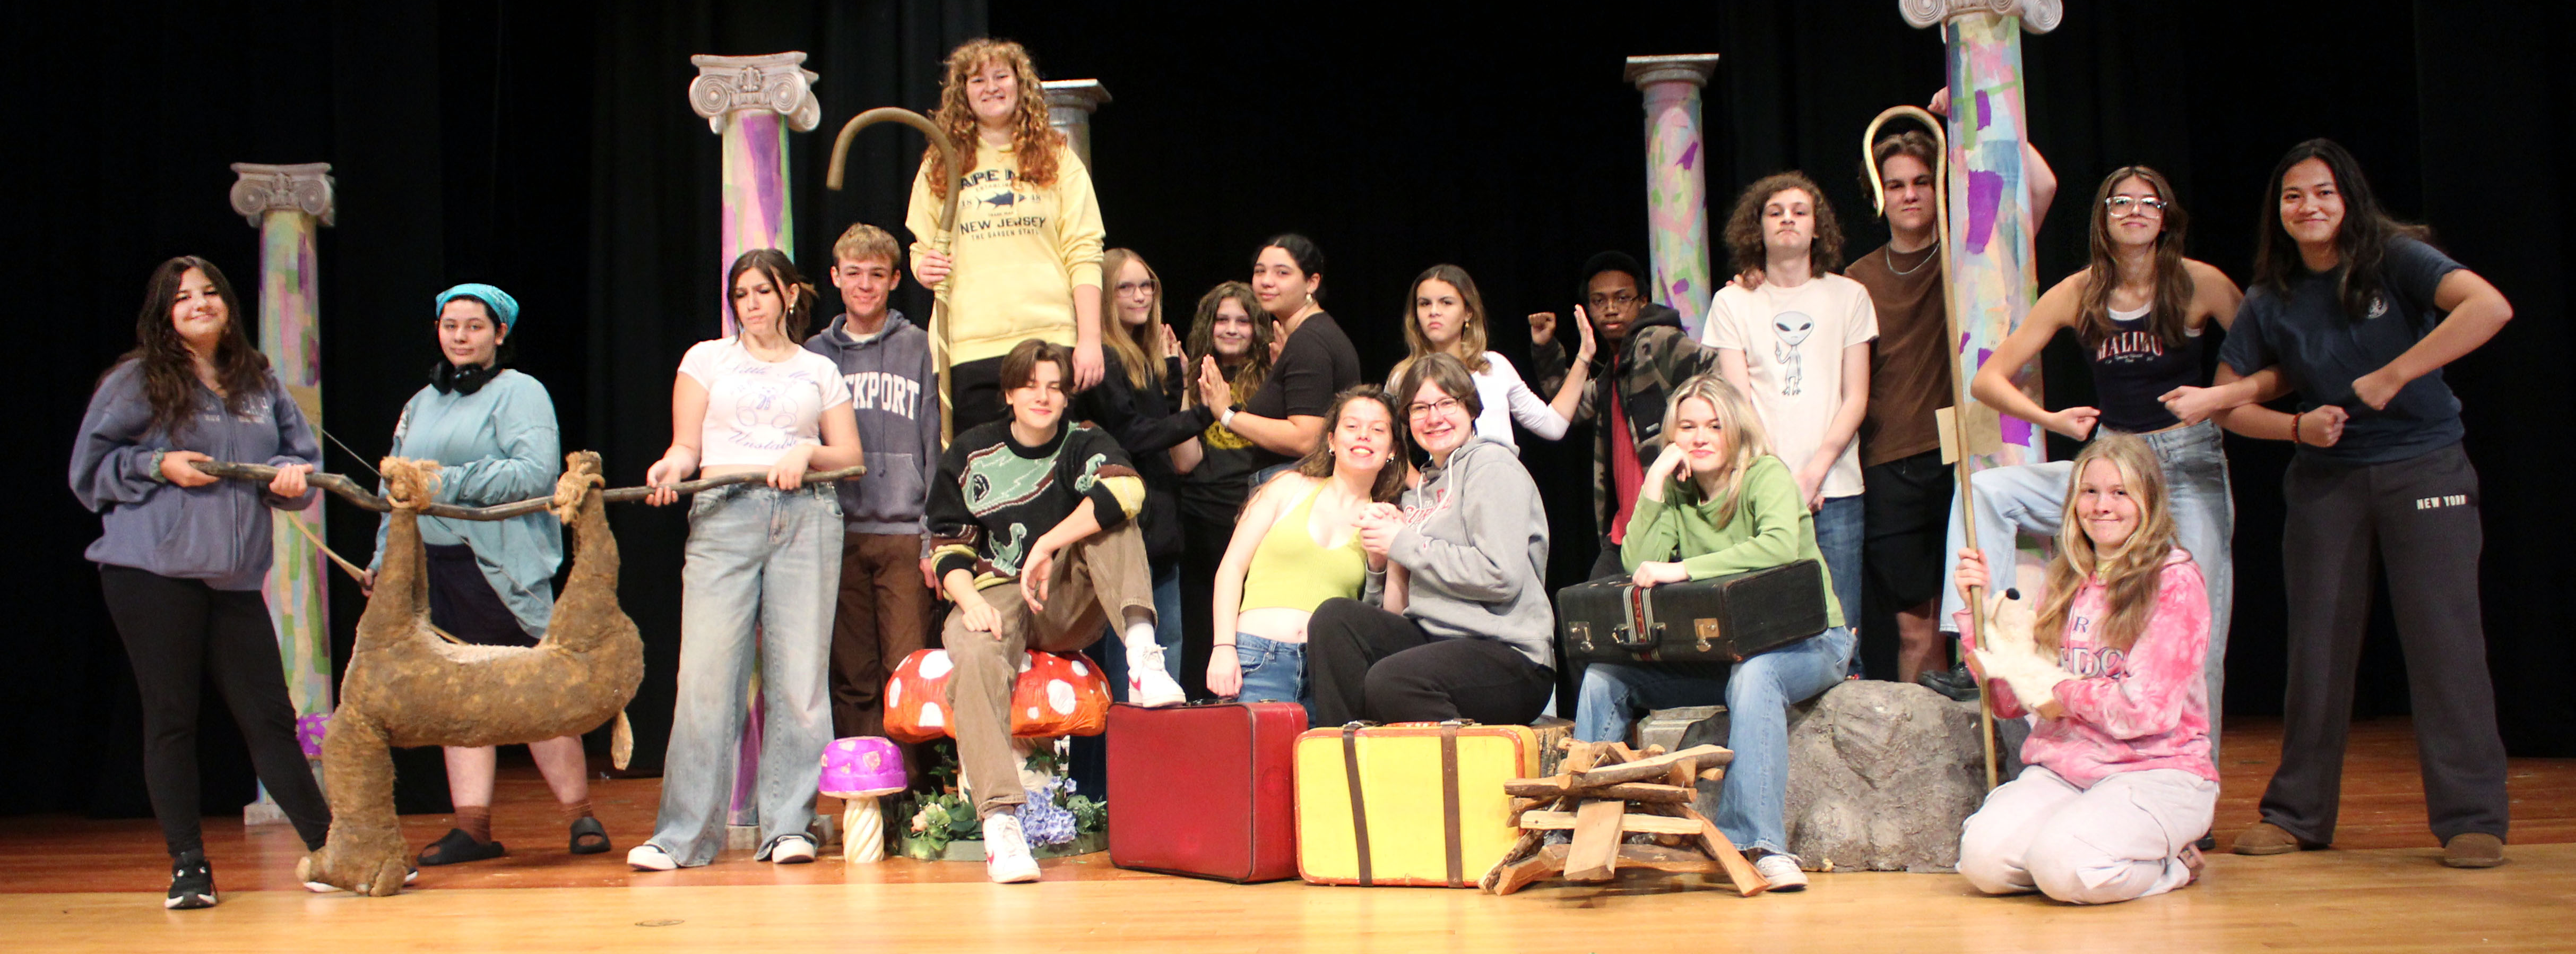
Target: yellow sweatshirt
{"x":1020,"y":251}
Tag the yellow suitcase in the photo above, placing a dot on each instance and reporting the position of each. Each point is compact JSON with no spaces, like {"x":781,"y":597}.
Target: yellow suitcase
{"x":1417,"y":804}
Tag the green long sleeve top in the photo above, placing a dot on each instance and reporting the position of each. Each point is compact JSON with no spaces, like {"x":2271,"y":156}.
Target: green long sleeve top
{"x":1769,"y":528}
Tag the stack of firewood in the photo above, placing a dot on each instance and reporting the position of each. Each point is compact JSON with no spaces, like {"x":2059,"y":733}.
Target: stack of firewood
{"x":1606,"y":791}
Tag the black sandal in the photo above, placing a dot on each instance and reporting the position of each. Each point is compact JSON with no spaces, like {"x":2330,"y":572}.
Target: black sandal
{"x":457,"y":847}
{"x":589,"y":837}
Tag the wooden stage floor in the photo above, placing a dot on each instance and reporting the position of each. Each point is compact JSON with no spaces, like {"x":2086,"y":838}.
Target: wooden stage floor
{"x":78,"y":884}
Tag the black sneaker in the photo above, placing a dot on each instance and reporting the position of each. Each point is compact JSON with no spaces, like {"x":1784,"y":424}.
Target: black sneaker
{"x":192,"y":882}
{"x":1955,"y":683}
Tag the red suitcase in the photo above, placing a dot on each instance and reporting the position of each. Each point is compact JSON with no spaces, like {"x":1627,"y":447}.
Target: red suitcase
{"x":1205,"y":790}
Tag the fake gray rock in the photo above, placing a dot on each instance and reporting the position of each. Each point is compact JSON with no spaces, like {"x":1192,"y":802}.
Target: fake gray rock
{"x":1881,"y":776}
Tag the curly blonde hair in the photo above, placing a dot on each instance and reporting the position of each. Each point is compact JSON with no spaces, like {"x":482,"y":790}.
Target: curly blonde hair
{"x":1033,"y":140}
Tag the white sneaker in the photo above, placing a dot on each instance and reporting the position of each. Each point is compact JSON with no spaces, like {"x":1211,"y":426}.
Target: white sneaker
{"x":792,"y":850}
{"x":1781,"y":870}
{"x":1006,"y":851}
{"x":650,"y":857}
{"x":1149,"y":684}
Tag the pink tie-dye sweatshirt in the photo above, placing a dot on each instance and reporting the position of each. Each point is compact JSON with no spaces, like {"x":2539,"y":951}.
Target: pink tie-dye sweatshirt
{"x":2145,"y":708}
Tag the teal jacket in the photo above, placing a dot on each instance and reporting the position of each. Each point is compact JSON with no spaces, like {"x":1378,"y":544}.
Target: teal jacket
{"x":1770,"y":527}
{"x":494,"y":446}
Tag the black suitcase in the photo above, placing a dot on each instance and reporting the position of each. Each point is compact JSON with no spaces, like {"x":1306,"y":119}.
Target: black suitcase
{"x":1719,"y":621}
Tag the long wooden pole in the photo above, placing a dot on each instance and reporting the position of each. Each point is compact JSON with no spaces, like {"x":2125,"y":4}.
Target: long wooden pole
{"x":355,"y":493}
{"x":1958,"y":385}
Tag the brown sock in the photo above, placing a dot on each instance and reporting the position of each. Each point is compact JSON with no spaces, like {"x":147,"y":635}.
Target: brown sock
{"x":475,"y":820}
{"x":574,"y":811}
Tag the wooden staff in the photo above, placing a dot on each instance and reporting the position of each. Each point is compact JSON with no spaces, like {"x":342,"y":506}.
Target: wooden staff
{"x":351,"y":491}
{"x":1959,"y":383}
{"x":947,"y":228}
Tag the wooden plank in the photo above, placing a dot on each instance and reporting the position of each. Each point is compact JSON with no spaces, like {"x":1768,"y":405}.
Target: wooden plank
{"x":1642,"y":769}
{"x":1668,"y":860}
{"x":1595,"y":854}
{"x":1747,"y":881}
{"x":1646,"y":824}
{"x":1506,"y":879}
{"x":1558,"y":787}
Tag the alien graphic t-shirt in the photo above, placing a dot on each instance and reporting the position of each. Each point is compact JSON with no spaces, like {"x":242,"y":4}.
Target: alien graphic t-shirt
{"x":1793,"y":341}
{"x":1019,"y":249}
{"x":757,"y":409}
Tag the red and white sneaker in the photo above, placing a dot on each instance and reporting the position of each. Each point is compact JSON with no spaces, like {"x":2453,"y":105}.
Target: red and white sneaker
{"x":1148,"y":683}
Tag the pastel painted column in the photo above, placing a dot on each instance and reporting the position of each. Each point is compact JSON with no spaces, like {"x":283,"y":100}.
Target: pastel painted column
{"x":1070,"y":104}
{"x":287,"y":204}
{"x":754,"y":101}
{"x":1676,"y":181}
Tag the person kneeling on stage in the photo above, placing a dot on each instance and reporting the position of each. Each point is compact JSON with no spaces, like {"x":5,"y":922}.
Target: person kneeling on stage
{"x":1466,"y":632}
{"x":1735,"y":510}
{"x":1019,"y":588}
{"x":2117,"y":780}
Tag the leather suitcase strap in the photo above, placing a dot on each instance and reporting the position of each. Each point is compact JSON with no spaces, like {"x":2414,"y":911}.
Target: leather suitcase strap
{"x":1359,"y":807}
{"x":1449,"y":801}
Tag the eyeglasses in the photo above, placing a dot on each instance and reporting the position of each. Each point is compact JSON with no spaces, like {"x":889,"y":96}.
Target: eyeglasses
{"x":2132,"y":205}
{"x":1422,"y":409}
{"x":1129,"y":288}
{"x":1614,"y":298}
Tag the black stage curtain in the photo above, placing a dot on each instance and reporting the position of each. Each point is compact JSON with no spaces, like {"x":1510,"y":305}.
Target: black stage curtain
{"x":548,"y":148}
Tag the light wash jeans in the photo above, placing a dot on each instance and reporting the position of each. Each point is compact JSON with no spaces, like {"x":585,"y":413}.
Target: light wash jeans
{"x":1758,"y":693}
{"x":1840,"y":532}
{"x":1273,"y":671}
{"x":762,"y":570}
{"x":2031,"y":498}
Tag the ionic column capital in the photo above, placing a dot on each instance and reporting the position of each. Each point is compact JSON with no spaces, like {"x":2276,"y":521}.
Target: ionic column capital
{"x":262,"y":188}
{"x":774,"y":82}
{"x":2037,"y":16}
{"x":1083,"y":95}
{"x":1692,"y":68}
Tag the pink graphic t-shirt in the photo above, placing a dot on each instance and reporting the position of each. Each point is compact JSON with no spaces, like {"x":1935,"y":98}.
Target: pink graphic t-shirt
{"x":2131,"y":710}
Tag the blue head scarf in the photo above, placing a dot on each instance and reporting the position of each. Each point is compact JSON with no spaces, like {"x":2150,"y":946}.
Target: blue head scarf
{"x":504,"y":307}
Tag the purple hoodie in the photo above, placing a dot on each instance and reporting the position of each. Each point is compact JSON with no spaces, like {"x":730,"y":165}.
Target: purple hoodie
{"x":218,"y":533}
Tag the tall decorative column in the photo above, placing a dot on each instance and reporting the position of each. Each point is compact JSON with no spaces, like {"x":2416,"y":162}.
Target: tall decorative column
{"x":286,"y":204}
{"x":754,"y":101}
{"x":1676,"y":180}
{"x":1993,"y":280}
{"x":1070,"y":104}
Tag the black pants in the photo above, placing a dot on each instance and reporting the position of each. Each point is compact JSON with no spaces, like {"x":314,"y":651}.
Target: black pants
{"x":975,"y":394}
{"x":462,"y":601}
{"x":1365,"y":663}
{"x":2419,"y":517}
{"x":176,"y":632}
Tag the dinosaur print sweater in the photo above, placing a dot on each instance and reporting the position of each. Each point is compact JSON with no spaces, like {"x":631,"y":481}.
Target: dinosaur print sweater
{"x":2145,"y":708}
{"x":995,"y":496}
{"x":1020,"y":251}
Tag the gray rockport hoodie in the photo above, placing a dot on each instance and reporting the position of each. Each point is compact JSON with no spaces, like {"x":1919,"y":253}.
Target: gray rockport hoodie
{"x":894,"y":392}
{"x":217,"y":533}
{"x":1475,"y":549}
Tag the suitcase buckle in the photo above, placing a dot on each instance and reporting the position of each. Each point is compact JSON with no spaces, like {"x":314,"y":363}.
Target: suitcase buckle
{"x":1580,"y":631}
{"x":1708,"y":630}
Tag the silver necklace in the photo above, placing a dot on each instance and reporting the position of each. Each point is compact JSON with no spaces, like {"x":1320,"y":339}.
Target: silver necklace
{"x":1918,"y":266}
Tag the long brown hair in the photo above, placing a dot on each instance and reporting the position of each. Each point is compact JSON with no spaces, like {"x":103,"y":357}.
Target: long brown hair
{"x":170,"y":369}
{"x":1471,"y":332}
{"x":2133,"y":574}
{"x":1319,"y":463}
{"x":2170,"y":319}
{"x":2361,"y":242}
{"x":1746,"y":439}
{"x":1033,"y":140}
{"x":1744,"y":225}
{"x":1137,"y":347}
{"x":797,"y":320}
{"x":1202,"y":343}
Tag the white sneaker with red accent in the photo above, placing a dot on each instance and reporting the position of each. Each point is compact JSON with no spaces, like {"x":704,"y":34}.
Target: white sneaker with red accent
{"x":1148,"y":682}
{"x":1006,"y":851}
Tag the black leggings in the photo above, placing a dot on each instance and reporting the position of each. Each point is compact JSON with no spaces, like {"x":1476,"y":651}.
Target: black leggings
{"x":1365,"y":663}
{"x":176,"y":631}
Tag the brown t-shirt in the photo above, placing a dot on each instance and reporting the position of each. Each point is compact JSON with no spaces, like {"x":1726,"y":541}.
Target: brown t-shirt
{"x":1909,"y":367}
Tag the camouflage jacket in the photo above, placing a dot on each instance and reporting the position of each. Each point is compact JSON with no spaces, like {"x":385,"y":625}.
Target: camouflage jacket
{"x":1656,"y":357}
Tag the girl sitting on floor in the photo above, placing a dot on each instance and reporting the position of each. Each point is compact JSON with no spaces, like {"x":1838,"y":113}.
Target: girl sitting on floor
{"x":2117,"y":779}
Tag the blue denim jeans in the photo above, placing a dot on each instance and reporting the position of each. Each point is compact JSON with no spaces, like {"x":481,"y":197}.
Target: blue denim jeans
{"x":1273,"y":671}
{"x":1759,"y":692}
{"x":2031,"y":499}
{"x":762,"y":570}
{"x":1167,"y":619}
{"x":1840,"y":535}
{"x":1607,"y":704}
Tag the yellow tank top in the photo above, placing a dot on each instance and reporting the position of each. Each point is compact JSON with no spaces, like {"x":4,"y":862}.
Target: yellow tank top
{"x":1290,"y":571}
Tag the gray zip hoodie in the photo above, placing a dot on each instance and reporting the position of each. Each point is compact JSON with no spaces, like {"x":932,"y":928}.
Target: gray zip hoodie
{"x":1475,"y":548}
{"x":894,"y":392}
{"x":217,"y":533}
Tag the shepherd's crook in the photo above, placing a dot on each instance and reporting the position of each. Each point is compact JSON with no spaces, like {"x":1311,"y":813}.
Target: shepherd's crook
{"x":947,"y":226}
